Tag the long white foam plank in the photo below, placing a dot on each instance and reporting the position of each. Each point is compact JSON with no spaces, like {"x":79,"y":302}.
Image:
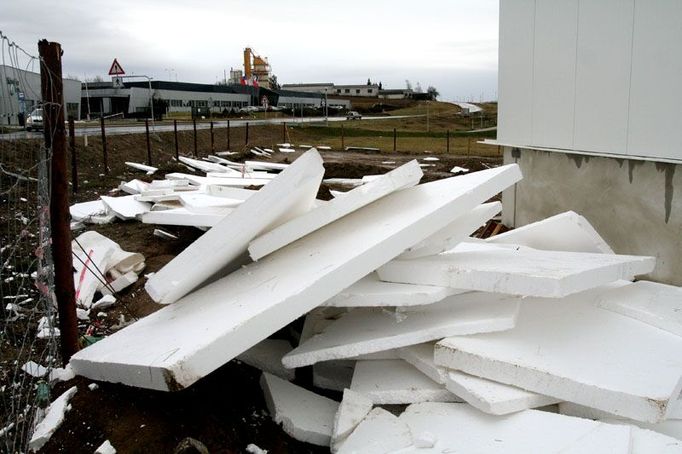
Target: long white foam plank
{"x":393,"y":381}
{"x":575,"y":351}
{"x":656,"y":304}
{"x":370,"y":291}
{"x":364,"y":331}
{"x":462,"y":428}
{"x":182,"y":216}
{"x":403,"y":177}
{"x":290,"y":194}
{"x":421,"y":357}
{"x":175,"y":346}
{"x":516,"y":270}
{"x":566,"y":231}
{"x":216,"y":181}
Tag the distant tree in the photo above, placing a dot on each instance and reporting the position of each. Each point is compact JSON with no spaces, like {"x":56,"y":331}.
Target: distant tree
{"x":433,"y":93}
{"x":273,"y":82}
{"x":408,"y":85}
{"x":369,"y":82}
{"x":418,"y":88}
{"x":380,"y":86}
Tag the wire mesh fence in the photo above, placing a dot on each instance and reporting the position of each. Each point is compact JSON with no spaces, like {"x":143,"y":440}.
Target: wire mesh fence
{"x":29,"y":347}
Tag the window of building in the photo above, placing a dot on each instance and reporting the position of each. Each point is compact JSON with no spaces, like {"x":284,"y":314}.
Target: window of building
{"x":347,"y":90}
{"x":357,"y":91}
{"x":369,"y":90}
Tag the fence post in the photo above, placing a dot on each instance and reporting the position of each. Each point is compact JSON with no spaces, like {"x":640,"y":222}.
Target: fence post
{"x":469,"y":146}
{"x":447,"y":141}
{"x":212,"y":141}
{"x":105,"y":157}
{"x":228,"y":135}
{"x":175,"y":134}
{"x":395,"y":139}
{"x":246,"y":138}
{"x":74,"y":161}
{"x":343,"y":146}
{"x":149,"y":146}
{"x":194,"y":123}
{"x":284,"y":132}
{"x":53,"y":114}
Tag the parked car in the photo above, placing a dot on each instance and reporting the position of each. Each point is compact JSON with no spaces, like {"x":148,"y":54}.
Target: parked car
{"x":35,"y":120}
{"x":353,"y":115}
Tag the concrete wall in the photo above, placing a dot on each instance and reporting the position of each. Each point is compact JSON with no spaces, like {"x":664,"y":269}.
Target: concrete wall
{"x":635,"y":205}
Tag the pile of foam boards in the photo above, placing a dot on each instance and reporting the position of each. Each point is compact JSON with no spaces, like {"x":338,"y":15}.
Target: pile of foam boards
{"x":403,"y":307}
{"x":182,"y":198}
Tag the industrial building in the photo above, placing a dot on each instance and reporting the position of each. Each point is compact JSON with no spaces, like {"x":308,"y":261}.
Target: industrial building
{"x":20,"y":94}
{"x":590,"y":107}
{"x":367,"y":90}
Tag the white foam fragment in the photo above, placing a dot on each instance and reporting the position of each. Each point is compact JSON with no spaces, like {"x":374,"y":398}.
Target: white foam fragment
{"x":34,"y":369}
{"x":133,"y":187}
{"x":216,"y":323}
{"x":352,"y":410}
{"x":54,"y":417}
{"x":255,"y":449}
{"x":525,"y":271}
{"x":421,"y":357}
{"x":379,"y":433}
{"x":286,"y":150}
{"x":61,"y":374}
{"x":457,"y":231}
{"x":267,"y":356}
{"x":372,"y":292}
{"x":647,"y":441}
{"x":165,"y":235}
{"x":575,"y":351}
{"x":405,"y":176}
{"x":105,"y":448}
{"x":265,"y":165}
{"x":119,"y":260}
{"x":86,"y":210}
{"x":120,"y":283}
{"x":88,"y":266}
{"x":461,"y":428}
{"x":182,"y":216}
{"x":126,"y":207}
{"x":104,"y":302}
{"x":219,"y":181}
{"x":333,"y":375}
{"x":566,"y":231}
{"x":458,"y":169}
{"x":492,"y":397}
{"x":393,"y":381}
{"x":289,"y":195}
{"x":346,"y":182}
{"x":656,"y":304}
{"x":364,"y":331}
{"x":205,"y":166}
{"x":145,"y":168}
{"x":304,"y":415}
{"x":229,"y":192}
{"x":430,"y":158}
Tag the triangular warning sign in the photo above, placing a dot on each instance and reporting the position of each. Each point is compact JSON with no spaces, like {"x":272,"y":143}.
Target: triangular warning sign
{"x":116,"y":69}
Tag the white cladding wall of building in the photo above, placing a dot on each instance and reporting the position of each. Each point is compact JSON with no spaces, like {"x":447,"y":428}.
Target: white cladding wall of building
{"x":179,"y":101}
{"x":371,"y":91}
{"x":579,"y":78}
{"x":14,"y":82}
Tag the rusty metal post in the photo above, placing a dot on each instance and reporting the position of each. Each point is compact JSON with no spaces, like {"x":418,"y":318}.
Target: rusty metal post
{"x":175,"y":134}
{"x":149,"y":145}
{"x":395,"y":139}
{"x":55,"y":140}
{"x":246,"y":137}
{"x":284,"y":132}
{"x":194,"y":123}
{"x":447,"y":141}
{"x":74,"y":158}
{"x":105,"y":157}
{"x":228,"y":135}
{"x":212,"y":140}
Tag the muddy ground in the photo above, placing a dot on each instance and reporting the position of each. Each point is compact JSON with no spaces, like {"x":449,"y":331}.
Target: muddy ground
{"x":225,"y":410}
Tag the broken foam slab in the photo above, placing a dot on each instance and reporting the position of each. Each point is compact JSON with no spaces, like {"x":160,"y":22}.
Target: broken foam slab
{"x":403,"y":177}
{"x":54,"y":417}
{"x":119,"y":260}
{"x":370,"y":291}
{"x":333,"y":375}
{"x":267,"y":356}
{"x":462,"y":428}
{"x":86,"y":278}
{"x":492,"y":397}
{"x":577,"y":352}
{"x":145,"y":168}
{"x":182,"y":216}
{"x":516,"y":270}
{"x":364,"y":331}
{"x":393,"y":381}
{"x":289,"y":195}
{"x":421,"y":357}
{"x":652,"y":303}
{"x":352,"y":410}
{"x":380,"y":432}
{"x":304,"y":415}
{"x":566,"y":231}
{"x":126,"y":207}
{"x":209,"y":327}
{"x":457,"y":231}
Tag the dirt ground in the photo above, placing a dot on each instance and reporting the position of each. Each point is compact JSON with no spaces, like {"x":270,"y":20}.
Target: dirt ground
{"x":225,"y":410}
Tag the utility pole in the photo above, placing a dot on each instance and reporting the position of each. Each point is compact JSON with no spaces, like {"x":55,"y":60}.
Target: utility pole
{"x":55,"y":141}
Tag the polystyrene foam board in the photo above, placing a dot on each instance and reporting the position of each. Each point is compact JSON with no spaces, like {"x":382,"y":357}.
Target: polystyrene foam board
{"x":267,"y":355}
{"x":363,"y":331}
{"x":266,"y":165}
{"x":288,"y":196}
{"x":149,"y":169}
{"x":372,"y":292}
{"x":400,"y":178}
{"x":205,"y":166}
{"x":647,"y":441}
{"x":380,"y":432}
{"x":182,"y":216}
{"x":304,"y":415}
{"x":393,"y":381}
{"x":125,"y":207}
{"x":216,"y":181}
{"x":566,"y":231}
{"x":209,"y":327}
{"x":492,"y":397}
{"x":230,"y":193}
{"x":86,"y":278}
{"x":516,"y":270}
{"x":656,"y":304}
{"x":317,"y":320}
{"x":457,"y":231}
{"x":334,"y":375}
{"x":577,"y":352}
{"x":198,"y":203}
{"x":133,"y":186}
{"x":421,"y":357}
{"x":352,"y":410}
{"x":462,"y":428}
{"x":82,"y":211}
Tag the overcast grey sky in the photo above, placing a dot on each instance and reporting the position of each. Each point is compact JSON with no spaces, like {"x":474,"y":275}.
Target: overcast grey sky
{"x":450,"y":44}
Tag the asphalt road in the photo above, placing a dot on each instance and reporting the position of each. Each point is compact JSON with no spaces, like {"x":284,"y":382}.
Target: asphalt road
{"x":184,"y":126}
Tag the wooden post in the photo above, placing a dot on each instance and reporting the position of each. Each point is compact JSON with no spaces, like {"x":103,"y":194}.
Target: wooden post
{"x":395,"y":139}
{"x":246,"y":137}
{"x":175,"y":134}
{"x":447,"y":141}
{"x":284,"y":132}
{"x":212,"y":140}
{"x":149,"y":146}
{"x":468,"y":146}
{"x":194,"y":123}
{"x":343,"y":145}
{"x":105,"y":157}
{"x":228,"y":135}
{"x":55,"y":140}
{"x":74,"y":159}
